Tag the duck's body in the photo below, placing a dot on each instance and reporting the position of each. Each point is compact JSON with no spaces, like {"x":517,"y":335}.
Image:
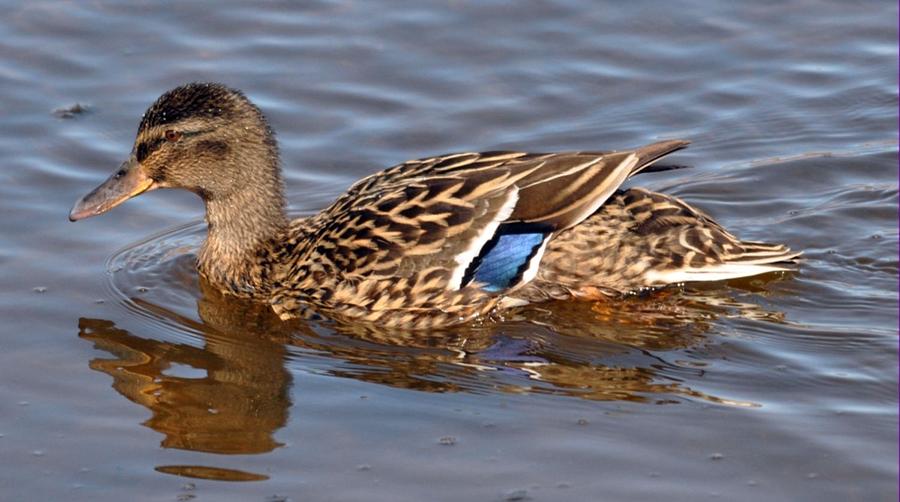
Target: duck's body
{"x":430,"y":242}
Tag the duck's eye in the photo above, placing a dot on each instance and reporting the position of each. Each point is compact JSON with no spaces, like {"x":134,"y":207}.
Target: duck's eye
{"x":173,"y":135}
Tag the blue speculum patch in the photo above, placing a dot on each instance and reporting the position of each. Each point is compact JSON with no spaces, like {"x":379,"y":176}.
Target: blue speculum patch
{"x":507,"y":260}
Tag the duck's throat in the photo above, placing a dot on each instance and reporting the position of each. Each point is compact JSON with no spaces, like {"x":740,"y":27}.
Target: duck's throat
{"x":241,"y":228}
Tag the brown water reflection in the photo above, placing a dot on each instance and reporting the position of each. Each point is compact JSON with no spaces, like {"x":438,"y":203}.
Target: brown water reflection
{"x":242,"y":399}
{"x":232,"y":394}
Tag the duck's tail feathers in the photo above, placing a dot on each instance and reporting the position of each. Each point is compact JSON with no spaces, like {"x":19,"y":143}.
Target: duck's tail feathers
{"x":757,"y":258}
{"x":761,"y":253}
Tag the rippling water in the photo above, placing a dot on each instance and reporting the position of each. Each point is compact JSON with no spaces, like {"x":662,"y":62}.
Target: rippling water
{"x":120,"y":379}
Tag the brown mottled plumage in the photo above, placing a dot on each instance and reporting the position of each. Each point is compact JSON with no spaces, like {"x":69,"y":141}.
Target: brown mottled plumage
{"x":427,"y":243}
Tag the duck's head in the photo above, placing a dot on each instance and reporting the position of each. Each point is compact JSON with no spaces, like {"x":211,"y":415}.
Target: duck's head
{"x":203,"y":137}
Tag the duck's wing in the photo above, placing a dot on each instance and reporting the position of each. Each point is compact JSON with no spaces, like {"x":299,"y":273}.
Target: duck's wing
{"x":467,"y":218}
{"x":559,"y":189}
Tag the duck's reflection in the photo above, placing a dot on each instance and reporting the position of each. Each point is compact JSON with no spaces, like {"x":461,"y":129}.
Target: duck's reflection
{"x":228,"y":396}
{"x":232,"y":394}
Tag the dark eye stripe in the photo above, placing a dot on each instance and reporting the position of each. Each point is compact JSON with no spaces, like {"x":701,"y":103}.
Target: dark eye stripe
{"x":147,"y":147}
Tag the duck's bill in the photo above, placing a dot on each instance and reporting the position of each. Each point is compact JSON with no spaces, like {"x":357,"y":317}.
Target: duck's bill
{"x":129,"y":181}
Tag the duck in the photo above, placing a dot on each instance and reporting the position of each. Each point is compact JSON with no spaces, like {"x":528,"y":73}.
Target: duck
{"x":428,"y":243}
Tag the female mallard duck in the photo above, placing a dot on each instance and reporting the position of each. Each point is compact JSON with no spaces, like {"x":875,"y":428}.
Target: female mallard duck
{"x":427,"y":243}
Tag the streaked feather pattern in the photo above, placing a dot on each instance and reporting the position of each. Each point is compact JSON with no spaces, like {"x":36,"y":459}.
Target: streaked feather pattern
{"x":642,"y":239}
{"x":443,"y":240}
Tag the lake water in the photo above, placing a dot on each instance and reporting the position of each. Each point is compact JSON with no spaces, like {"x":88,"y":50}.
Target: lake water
{"x":121,"y":380}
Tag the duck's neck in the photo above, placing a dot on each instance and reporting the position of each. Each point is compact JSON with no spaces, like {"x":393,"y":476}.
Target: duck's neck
{"x":240,"y":227}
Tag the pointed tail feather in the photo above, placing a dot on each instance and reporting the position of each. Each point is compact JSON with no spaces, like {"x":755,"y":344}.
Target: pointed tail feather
{"x":757,"y":258}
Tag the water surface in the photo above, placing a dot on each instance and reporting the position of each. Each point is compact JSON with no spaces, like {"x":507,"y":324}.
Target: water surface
{"x":120,"y":379}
